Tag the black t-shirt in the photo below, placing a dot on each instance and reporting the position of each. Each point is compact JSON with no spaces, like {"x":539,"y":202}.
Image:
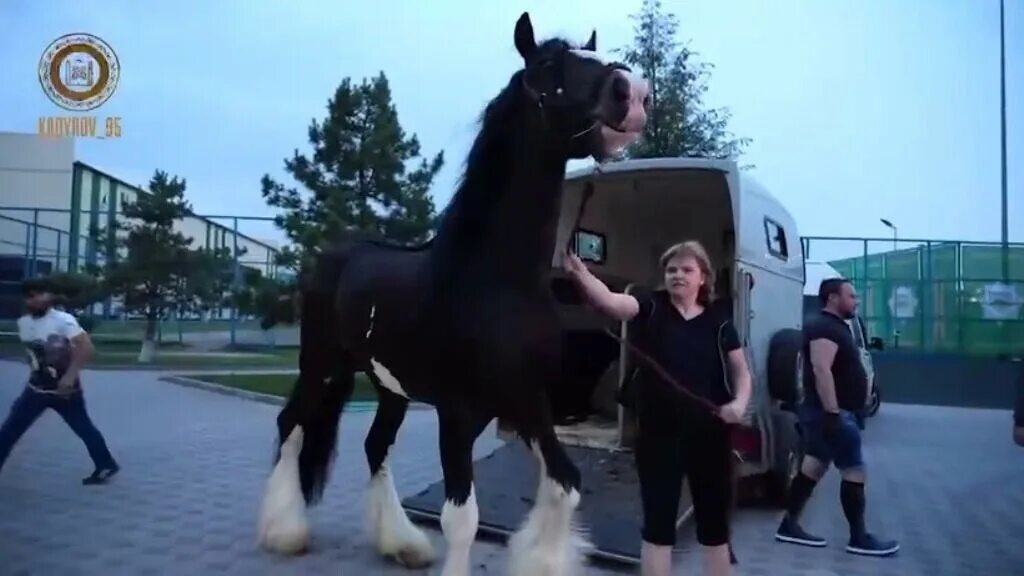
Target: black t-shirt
{"x":693,"y":351}
{"x":851,"y":380}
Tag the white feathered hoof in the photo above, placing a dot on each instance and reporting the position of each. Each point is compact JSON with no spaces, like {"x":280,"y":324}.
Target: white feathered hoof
{"x":548,"y":544}
{"x":395,"y":535}
{"x":283,"y":527}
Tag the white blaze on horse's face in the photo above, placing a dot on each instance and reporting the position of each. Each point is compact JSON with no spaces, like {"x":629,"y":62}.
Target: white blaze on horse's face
{"x":629,"y":90}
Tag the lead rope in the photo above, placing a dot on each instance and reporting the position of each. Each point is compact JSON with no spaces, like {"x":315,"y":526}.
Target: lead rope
{"x":588,"y":191}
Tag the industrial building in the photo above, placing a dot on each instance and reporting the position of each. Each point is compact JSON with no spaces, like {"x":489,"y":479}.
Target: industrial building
{"x":50,"y":200}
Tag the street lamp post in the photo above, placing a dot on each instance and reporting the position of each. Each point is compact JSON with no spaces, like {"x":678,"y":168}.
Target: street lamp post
{"x":891,"y":225}
{"x":1002,"y":109}
{"x":1002,"y":126}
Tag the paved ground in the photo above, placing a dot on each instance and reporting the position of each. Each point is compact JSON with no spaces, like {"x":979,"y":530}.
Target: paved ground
{"x":948,"y":484}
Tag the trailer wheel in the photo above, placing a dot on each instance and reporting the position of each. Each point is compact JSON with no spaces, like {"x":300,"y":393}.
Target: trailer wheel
{"x":788,"y":456}
{"x":786,"y":366}
{"x":876,"y":399}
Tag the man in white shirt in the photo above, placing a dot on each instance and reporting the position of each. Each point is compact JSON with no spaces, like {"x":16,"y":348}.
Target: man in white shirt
{"x":58,"y":349}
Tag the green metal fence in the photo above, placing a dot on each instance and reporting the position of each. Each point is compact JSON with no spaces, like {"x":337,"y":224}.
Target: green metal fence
{"x":933,"y":295}
{"x":35,"y":241}
{"x":930,"y":295}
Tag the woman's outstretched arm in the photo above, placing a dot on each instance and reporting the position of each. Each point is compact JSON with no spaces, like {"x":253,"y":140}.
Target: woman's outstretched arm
{"x":622,"y":307}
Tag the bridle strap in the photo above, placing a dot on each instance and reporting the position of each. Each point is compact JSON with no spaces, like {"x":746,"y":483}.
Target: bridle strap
{"x":588,"y":191}
{"x":540,"y":97}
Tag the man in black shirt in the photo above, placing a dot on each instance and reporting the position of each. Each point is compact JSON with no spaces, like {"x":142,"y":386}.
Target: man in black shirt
{"x":835,"y":388}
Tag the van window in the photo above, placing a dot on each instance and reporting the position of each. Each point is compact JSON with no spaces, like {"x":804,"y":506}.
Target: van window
{"x":775,"y":235}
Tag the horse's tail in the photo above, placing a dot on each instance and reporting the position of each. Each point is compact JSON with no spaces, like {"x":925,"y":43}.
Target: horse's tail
{"x":325,"y":382}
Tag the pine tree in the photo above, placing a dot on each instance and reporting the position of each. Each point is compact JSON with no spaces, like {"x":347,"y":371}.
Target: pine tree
{"x":679,"y":122}
{"x":357,"y":178}
{"x":155,"y":271}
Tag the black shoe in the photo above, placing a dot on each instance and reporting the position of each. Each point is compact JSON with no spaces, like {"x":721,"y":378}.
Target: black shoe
{"x":868,"y":545}
{"x":101,"y":475}
{"x":791,"y":532}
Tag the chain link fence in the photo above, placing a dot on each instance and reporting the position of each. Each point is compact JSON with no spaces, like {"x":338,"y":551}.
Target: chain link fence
{"x":38,"y":241}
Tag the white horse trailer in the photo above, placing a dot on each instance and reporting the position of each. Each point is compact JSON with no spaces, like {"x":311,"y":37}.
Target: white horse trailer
{"x":638,"y":209}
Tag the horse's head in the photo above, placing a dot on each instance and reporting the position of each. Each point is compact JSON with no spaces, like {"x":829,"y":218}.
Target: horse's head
{"x":594,"y":106}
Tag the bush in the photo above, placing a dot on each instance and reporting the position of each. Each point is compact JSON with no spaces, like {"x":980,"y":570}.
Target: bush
{"x":88,"y":323}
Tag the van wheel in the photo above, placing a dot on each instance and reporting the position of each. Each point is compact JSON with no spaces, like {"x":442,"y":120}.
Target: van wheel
{"x":786,"y":366}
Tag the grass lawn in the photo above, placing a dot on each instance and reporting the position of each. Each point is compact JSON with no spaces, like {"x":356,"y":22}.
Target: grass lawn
{"x":280,"y":384}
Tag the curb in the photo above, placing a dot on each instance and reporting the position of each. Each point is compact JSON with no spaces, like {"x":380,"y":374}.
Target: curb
{"x":225,"y":390}
{"x":360,"y":406}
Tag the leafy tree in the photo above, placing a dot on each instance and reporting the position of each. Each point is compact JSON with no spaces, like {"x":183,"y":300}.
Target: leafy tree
{"x":356,"y":177}
{"x":156,"y":273}
{"x":271,"y":300}
{"x":679,"y":122}
{"x":76,"y":291}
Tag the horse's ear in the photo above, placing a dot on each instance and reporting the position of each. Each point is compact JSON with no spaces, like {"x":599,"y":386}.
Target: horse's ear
{"x":592,"y":43}
{"x":525,"y":43}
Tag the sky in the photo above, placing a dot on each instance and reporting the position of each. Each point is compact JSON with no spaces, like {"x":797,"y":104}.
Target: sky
{"x":858,"y":109}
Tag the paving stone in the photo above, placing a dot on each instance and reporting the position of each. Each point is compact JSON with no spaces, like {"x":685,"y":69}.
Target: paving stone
{"x":944,"y":481}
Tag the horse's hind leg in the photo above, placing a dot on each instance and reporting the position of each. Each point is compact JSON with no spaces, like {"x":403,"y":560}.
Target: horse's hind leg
{"x":546,"y":544}
{"x":389,"y":527}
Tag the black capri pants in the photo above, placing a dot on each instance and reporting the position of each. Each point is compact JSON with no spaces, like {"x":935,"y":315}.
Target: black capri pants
{"x":699,"y":450}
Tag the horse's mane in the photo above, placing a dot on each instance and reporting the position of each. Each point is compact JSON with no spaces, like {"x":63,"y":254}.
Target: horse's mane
{"x":483,"y":173}
{"x":479,"y":185}
{"x":467,"y":209}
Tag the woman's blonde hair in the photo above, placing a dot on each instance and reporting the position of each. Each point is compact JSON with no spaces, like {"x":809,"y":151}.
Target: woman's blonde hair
{"x":694,"y":249}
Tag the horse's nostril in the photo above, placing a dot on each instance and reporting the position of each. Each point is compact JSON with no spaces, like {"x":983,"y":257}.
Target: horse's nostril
{"x":620,"y":89}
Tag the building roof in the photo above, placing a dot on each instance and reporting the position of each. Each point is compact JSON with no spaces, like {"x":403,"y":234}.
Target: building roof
{"x":141,"y":190}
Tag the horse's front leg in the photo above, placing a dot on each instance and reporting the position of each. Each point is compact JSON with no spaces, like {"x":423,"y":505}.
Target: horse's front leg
{"x":546,"y":544}
{"x":460,"y":515}
{"x":389,"y":526}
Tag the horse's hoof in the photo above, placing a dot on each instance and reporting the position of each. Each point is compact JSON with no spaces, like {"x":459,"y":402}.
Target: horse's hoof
{"x":414,"y":559}
{"x":286,"y":545}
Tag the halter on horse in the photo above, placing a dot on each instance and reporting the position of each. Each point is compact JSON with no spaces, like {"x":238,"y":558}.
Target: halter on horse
{"x":465,"y":322}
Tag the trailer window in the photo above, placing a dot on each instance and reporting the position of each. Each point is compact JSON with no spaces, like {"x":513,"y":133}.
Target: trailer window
{"x":775,"y":235}
{"x":590,"y":246}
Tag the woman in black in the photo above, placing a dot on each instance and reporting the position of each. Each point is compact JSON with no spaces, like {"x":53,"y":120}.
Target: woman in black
{"x":677,"y":437}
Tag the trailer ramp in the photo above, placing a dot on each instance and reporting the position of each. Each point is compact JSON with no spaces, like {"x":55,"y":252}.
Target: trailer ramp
{"x":506,"y":485}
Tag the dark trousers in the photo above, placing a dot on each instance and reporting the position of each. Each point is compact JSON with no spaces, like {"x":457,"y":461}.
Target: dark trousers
{"x":31,"y":404}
